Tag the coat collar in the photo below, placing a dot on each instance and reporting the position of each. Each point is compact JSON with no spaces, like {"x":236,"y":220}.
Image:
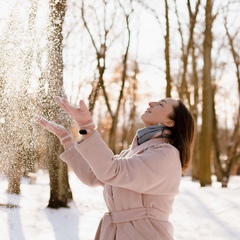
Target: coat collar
{"x":152,"y":142}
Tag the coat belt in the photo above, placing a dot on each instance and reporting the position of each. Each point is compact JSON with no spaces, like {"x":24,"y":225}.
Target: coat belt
{"x":107,"y":226}
{"x":138,"y":213}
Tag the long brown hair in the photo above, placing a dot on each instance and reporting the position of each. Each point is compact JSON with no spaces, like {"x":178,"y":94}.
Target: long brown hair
{"x":182,"y":133}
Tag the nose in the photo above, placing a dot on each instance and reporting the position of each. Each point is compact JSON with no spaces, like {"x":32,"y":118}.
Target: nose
{"x":151,"y":104}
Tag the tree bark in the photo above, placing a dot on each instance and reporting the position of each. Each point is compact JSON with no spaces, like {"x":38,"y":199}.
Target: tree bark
{"x":167,"y":52}
{"x":59,"y":186}
{"x":207,"y":106}
{"x":15,"y":171}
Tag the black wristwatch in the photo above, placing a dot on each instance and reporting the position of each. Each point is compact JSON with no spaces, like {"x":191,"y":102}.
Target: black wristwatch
{"x":85,"y":131}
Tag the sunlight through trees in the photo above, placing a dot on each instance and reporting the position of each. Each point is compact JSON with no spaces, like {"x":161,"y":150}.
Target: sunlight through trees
{"x":119,"y":55}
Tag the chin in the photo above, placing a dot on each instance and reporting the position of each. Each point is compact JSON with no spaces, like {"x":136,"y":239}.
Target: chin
{"x":144,"y":123}
{"x":143,"y":117}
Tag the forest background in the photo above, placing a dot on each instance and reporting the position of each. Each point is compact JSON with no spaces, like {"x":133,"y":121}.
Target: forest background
{"x":119,"y":55}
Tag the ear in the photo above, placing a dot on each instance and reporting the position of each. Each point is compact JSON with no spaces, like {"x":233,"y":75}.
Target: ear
{"x":170,"y":123}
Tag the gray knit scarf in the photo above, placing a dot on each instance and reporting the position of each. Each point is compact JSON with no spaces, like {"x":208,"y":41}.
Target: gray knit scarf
{"x":144,"y":134}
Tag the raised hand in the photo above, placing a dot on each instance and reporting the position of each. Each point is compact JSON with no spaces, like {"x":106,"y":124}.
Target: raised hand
{"x":58,"y":130}
{"x":80,"y":114}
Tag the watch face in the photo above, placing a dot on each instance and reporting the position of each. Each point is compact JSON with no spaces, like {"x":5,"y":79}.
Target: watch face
{"x":83,"y":132}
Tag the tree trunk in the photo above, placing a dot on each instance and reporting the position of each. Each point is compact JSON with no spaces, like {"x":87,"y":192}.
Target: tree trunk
{"x":188,"y":51}
{"x":15,"y":172}
{"x":65,"y":193}
{"x":167,"y":53}
{"x":196,"y":149}
{"x":207,"y":106}
{"x":113,"y":130}
{"x":53,"y":166}
{"x":60,"y":192}
{"x":59,"y":187}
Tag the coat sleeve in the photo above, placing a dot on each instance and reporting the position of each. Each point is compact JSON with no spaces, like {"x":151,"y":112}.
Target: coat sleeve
{"x":80,"y":167}
{"x":156,"y":170}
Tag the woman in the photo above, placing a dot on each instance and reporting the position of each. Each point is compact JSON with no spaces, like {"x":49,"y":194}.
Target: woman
{"x":140,"y":183}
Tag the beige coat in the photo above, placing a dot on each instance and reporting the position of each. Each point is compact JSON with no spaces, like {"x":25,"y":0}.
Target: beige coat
{"x":139,"y":186}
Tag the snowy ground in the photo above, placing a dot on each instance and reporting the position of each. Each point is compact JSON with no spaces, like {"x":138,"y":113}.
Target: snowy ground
{"x":209,"y":213}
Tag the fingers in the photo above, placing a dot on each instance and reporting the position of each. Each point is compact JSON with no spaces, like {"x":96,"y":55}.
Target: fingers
{"x":58,"y":99}
{"x":66,"y":106}
{"x":58,"y":130}
{"x":83,"y":106}
{"x":44,"y":123}
{"x":41,"y":120}
{"x":61,"y":104}
{"x":69,"y":108}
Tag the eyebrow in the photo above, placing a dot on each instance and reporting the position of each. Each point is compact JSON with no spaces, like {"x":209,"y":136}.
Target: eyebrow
{"x":163,"y":101}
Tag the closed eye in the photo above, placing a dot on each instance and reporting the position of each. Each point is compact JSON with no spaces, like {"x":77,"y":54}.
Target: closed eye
{"x":162,"y":101}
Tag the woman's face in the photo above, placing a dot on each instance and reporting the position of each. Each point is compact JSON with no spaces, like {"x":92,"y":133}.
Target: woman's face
{"x":158,"y":112}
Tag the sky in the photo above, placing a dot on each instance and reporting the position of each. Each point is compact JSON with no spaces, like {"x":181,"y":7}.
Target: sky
{"x":151,"y":81}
